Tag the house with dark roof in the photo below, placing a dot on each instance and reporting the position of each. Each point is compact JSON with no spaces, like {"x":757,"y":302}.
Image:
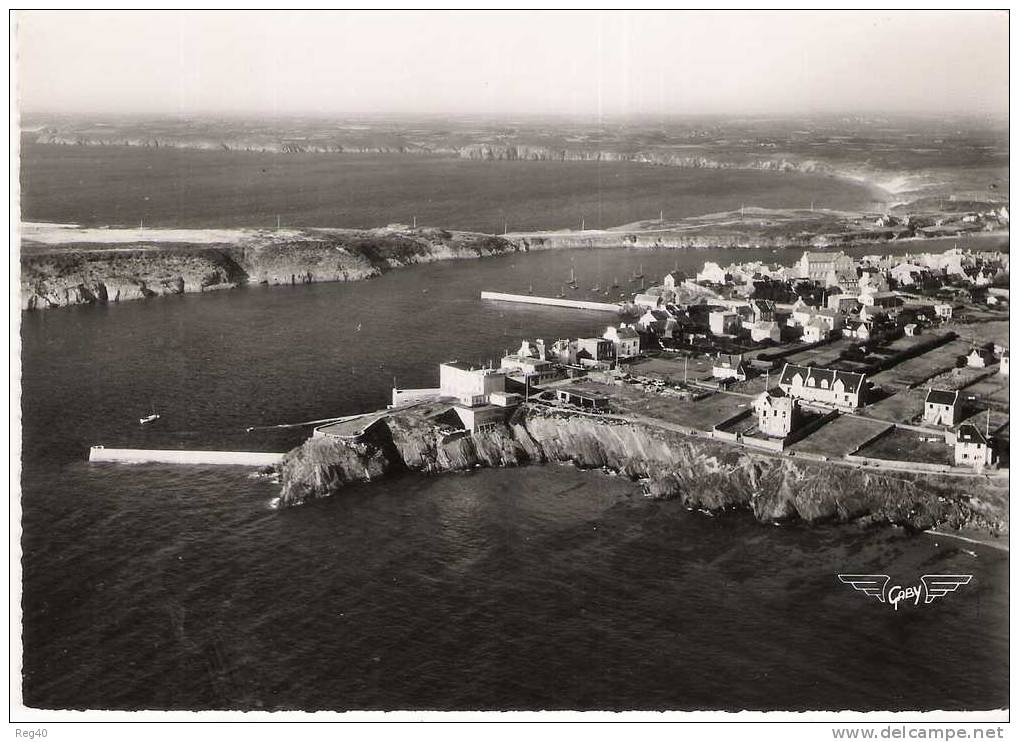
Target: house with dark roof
{"x":625,"y":339}
{"x":762,"y":310}
{"x":730,"y":367}
{"x":973,"y":448}
{"x":942,"y":407}
{"x":825,"y":385}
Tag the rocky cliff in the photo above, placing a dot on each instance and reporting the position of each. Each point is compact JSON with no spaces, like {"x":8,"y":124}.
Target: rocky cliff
{"x":700,"y":473}
{"x":474,"y":151}
{"x":83,"y":273}
{"x":486,"y":151}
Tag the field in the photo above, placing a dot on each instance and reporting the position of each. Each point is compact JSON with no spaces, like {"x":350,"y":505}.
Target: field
{"x":908,"y":445}
{"x":191,"y":188}
{"x":915,"y":370}
{"x":702,"y":414}
{"x":982,"y":332}
{"x":992,"y":389}
{"x":842,"y":435}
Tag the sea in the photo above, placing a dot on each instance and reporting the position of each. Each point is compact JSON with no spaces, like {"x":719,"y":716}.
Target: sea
{"x":163,"y":587}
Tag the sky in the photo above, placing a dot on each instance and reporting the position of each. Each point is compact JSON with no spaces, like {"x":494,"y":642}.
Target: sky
{"x":525,"y":62}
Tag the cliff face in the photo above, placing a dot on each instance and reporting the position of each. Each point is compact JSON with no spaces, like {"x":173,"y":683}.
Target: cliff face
{"x":100,"y":273}
{"x":474,"y":151}
{"x":700,"y":473}
{"x":484,"y":151}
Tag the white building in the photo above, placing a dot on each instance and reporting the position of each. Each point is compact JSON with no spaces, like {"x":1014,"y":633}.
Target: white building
{"x":625,"y":339}
{"x":530,"y":369}
{"x":650,"y":301}
{"x":942,"y":407}
{"x":973,"y":448}
{"x":822,"y":267}
{"x":879,"y":299}
{"x":843,"y":302}
{"x":712,"y":273}
{"x":829,"y":386}
{"x":761,"y":331}
{"x":470,"y":386}
{"x":1003,"y":370}
{"x":857,"y":330}
{"x":944,"y":311}
{"x":729,"y":367}
{"x":723,"y":322}
{"x":906,"y":274}
{"x":815,"y":331}
{"x":979,"y":358}
{"x":777,"y":414}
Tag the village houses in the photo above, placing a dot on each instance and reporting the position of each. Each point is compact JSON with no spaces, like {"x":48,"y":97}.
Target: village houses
{"x":942,"y":407}
{"x":730,"y":367}
{"x":973,"y":448}
{"x":827,"y":386}
{"x":624,"y":339}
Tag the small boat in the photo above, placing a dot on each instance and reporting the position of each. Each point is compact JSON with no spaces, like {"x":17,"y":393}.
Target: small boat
{"x":148,"y":418}
{"x":639,"y":274}
{"x":530,"y":290}
{"x":562,"y":292}
{"x":615,"y":283}
{"x":572,"y":283}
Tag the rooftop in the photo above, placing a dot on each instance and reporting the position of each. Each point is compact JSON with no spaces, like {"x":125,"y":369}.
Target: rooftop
{"x":853,"y":381}
{"x":971,"y":434}
{"x":942,"y":396}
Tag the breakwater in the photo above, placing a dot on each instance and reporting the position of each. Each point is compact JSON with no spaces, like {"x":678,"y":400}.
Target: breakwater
{"x":101,"y":454}
{"x":550,"y":301}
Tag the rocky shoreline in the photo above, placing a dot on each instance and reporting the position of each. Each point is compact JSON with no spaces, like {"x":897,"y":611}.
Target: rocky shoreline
{"x":701,"y":474}
{"x":66,"y":274}
{"x":65,"y":265}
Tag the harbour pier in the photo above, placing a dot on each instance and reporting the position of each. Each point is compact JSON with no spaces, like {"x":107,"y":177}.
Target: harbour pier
{"x":101,"y":454}
{"x":551,"y":301}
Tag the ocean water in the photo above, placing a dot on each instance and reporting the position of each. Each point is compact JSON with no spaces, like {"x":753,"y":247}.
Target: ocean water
{"x":187,"y":188}
{"x":534,"y":588}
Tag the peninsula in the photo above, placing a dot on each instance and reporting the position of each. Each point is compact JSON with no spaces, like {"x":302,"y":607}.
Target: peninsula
{"x":871,"y":390}
{"x":63,"y":265}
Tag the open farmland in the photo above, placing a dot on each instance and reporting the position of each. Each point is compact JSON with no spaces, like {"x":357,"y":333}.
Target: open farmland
{"x":908,"y":445}
{"x":839,"y":437}
{"x":916,"y":370}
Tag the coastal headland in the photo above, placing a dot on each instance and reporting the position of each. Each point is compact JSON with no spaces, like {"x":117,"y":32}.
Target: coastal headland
{"x":697,"y":471}
{"x":64,"y":265}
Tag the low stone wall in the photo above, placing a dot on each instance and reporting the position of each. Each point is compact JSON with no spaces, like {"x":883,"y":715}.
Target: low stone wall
{"x":408,"y":396}
{"x":881,"y":433}
{"x":892,"y":464}
{"x":805,"y":430}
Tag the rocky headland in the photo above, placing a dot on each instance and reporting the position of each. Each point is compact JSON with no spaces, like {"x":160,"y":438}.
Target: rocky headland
{"x":700,"y":473}
{"x":64,"y":265}
{"x":58,"y":271}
